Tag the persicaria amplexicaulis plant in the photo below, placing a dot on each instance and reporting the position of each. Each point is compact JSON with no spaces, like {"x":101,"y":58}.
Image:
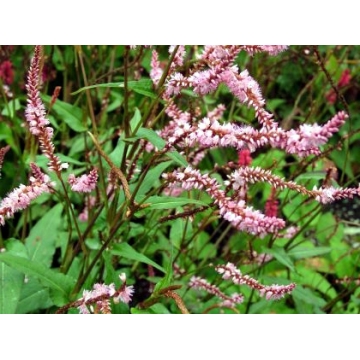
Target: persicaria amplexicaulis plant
{"x":172,"y":171}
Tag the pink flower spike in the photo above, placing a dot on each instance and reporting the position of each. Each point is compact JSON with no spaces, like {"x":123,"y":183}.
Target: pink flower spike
{"x":84,"y":183}
{"x":227,"y":301}
{"x":21,"y":197}
{"x":242,"y":217}
{"x":272,"y":292}
{"x":35,"y":114}
{"x":270,"y":49}
{"x":179,"y":56}
{"x":156,"y":71}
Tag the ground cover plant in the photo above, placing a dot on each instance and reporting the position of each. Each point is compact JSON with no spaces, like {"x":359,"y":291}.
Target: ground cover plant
{"x":181,"y":179}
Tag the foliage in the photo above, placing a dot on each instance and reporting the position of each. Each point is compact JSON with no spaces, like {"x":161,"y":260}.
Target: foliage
{"x":133,"y":202}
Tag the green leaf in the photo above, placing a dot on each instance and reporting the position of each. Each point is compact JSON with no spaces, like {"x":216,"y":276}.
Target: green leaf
{"x":11,"y":280}
{"x":151,"y":136}
{"x":152,"y":176}
{"x":310,"y":278}
{"x":71,"y":114}
{"x":273,"y":104}
{"x":178,"y":227}
{"x":142,"y":86}
{"x":167,"y":279}
{"x":159,"y":143}
{"x":13,"y":106}
{"x":178,"y":158}
{"x":116,"y":155}
{"x":325,"y":227}
{"x":117,"y":100}
{"x":50,"y":278}
{"x":304,"y":252}
{"x":134,"y":122}
{"x":308,"y":296}
{"x":159,"y":308}
{"x":70,"y":160}
{"x":34,"y":296}
{"x":168,"y":202}
{"x":42,"y":160}
{"x":129,"y":252}
{"x":105,"y":85}
{"x":282,"y":257}
{"x":110,"y":273}
{"x":312,"y":175}
{"x":41,"y":240}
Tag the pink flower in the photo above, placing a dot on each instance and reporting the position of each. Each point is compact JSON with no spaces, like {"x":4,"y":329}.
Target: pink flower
{"x":270,"y":49}
{"x":125,"y":295}
{"x":179,"y":56}
{"x":156,"y":71}
{"x":262,"y":258}
{"x":21,"y":197}
{"x":84,"y":183}
{"x":243,"y":217}
{"x":206,"y":81}
{"x":100,"y":296}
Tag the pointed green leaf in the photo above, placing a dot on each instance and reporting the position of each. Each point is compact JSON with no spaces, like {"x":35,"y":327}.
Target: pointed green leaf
{"x":142,"y":86}
{"x":34,"y":296}
{"x":129,"y":252}
{"x":151,"y":136}
{"x":134,"y":122}
{"x":41,"y":240}
{"x":70,"y":114}
{"x":105,"y":85}
{"x":48,"y":277}
{"x":282,"y":257}
{"x":308,"y":296}
{"x":178,"y":158}
{"x":159,"y":143}
{"x":11,"y":280}
{"x":152,"y":176}
{"x":167,"y":279}
{"x":304,"y":252}
{"x":168,"y":202}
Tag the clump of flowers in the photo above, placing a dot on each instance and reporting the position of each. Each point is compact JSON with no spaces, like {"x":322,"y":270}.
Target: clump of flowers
{"x":85,"y":183}
{"x":163,"y":152}
{"x":20,"y":198}
{"x":98,"y":300}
